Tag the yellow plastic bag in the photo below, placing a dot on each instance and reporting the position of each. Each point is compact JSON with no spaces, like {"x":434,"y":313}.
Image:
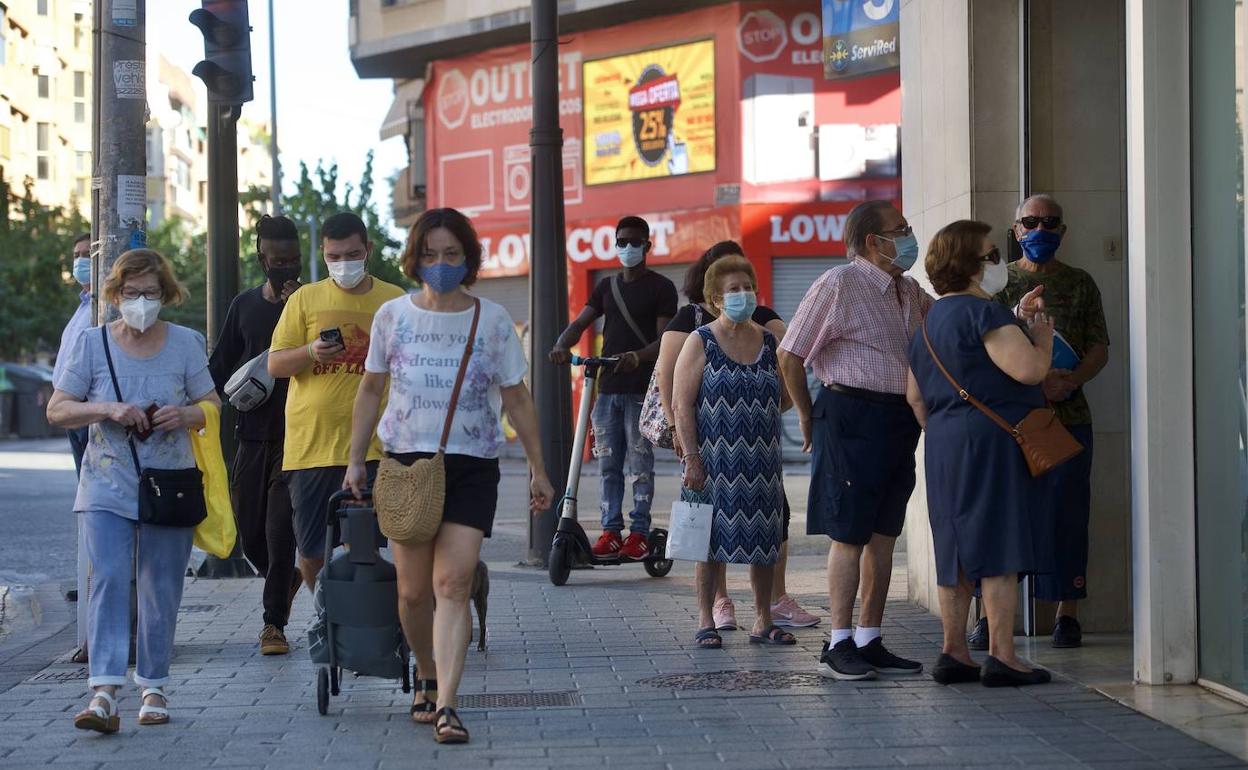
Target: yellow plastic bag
{"x":215,"y":534}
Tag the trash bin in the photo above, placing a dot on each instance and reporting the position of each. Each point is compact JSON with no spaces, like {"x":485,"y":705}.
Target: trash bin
{"x":32,"y":389}
{"x":6,"y":406}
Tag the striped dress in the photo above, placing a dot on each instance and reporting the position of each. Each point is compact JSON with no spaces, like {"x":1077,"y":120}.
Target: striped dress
{"x":739,"y":438}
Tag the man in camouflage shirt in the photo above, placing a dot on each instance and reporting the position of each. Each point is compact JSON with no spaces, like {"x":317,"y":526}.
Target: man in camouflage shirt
{"x":1071,"y":298}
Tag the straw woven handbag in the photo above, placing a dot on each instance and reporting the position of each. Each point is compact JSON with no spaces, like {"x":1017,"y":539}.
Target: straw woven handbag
{"x":409,"y":498}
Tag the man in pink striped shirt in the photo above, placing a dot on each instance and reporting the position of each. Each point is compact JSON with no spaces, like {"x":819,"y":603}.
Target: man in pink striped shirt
{"x":853,"y":330}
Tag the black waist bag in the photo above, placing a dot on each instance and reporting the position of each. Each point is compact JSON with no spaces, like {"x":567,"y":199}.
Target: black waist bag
{"x":167,"y":497}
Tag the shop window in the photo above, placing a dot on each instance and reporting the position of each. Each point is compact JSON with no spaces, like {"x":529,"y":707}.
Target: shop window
{"x":41,"y":7}
{"x":45,"y":86}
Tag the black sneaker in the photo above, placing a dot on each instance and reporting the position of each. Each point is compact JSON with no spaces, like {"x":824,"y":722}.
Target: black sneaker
{"x":1067,"y":633}
{"x":978,"y":638}
{"x":884,"y":662}
{"x":950,"y":670}
{"x":997,"y":674}
{"x":844,"y":662}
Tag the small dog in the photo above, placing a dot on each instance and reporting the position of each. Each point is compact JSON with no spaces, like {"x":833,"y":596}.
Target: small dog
{"x":480,"y":599}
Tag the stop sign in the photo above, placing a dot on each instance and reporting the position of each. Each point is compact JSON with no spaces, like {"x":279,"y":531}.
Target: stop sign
{"x":761,"y":36}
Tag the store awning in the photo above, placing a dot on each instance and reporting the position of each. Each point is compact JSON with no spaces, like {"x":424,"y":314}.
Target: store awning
{"x":405,"y":93}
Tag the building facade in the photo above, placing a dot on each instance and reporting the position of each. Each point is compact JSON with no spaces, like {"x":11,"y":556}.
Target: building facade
{"x":45,"y":100}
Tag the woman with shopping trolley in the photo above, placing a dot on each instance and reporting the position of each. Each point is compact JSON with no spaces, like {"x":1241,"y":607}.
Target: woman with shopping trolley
{"x":452,"y":363}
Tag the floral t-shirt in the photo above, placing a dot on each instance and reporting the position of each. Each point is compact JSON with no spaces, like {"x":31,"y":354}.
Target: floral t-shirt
{"x":421,"y":351}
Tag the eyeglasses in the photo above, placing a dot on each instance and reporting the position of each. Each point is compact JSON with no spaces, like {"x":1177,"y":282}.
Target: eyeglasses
{"x":903,"y":230}
{"x":1050,"y":223}
{"x":993,"y":256}
{"x":634,"y":242}
{"x":129,"y":293}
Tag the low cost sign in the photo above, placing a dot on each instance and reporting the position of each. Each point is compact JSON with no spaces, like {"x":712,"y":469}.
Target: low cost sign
{"x":650,"y":114}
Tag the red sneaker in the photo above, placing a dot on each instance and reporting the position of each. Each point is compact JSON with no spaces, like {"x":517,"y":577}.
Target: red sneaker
{"x":608,"y":543}
{"x":636,"y":547}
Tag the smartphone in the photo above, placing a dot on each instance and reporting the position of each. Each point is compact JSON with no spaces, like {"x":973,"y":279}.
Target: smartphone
{"x":332,"y":336}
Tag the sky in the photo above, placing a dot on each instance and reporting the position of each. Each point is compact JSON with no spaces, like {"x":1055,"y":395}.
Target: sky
{"x":324,"y":111}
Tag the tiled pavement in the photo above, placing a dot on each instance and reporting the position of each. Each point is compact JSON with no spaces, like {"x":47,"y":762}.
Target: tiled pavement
{"x":603,"y":640}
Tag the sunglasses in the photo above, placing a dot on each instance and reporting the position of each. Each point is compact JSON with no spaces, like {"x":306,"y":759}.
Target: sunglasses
{"x":993,"y":256}
{"x":1050,"y":223}
{"x":634,"y":242}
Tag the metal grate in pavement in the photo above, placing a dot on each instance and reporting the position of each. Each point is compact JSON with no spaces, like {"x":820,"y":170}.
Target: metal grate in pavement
{"x":193,"y":608}
{"x":736,"y":680}
{"x":520,"y":700}
{"x":60,"y":675}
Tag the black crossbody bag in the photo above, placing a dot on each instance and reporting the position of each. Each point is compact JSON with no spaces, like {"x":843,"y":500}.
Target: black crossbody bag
{"x":167,"y":497}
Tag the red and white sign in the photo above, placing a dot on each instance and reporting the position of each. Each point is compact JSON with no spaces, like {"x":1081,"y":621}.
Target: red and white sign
{"x":761,"y":36}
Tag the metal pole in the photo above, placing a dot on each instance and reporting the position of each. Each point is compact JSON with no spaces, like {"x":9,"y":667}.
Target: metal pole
{"x":548,"y":273}
{"x":276,"y":191}
{"x":223,"y":277}
{"x":314,"y":251}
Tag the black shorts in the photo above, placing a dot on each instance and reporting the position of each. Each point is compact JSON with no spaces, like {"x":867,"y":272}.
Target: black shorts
{"x":310,"y":490}
{"x":471,"y":488}
{"x":862,"y":472}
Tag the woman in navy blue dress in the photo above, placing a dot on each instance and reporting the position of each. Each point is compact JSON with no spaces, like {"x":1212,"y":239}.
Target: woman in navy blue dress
{"x":985,"y":508}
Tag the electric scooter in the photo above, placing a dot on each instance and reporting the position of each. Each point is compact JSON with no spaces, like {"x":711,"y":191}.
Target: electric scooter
{"x":571,"y":549}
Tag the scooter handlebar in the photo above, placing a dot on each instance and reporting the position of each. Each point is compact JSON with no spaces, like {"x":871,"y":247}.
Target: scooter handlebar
{"x":583,"y":361}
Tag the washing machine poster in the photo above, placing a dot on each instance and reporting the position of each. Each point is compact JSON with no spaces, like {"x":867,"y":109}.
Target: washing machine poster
{"x":650,"y":114}
{"x":860,"y":37}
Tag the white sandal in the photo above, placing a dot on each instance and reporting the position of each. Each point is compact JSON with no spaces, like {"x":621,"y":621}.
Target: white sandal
{"x":101,"y":719}
{"x":154,"y":715}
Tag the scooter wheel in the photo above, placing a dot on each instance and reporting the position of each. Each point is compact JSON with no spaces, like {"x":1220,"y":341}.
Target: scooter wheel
{"x":658,"y":567}
{"x":559,"y":563}
{"x":322,"y":690}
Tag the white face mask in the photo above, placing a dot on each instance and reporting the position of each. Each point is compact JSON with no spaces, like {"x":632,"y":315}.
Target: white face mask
{"x":140,"y":313}
{"x":995,"y":277}
{"x":347,"y":274}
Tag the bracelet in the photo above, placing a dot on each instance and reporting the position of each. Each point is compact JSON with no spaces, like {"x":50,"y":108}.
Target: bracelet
{"x":311,"y":355}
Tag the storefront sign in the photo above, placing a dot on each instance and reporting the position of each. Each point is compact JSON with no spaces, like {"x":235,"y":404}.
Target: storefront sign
{"x":860,"y":37}
{"x":650,"y":114}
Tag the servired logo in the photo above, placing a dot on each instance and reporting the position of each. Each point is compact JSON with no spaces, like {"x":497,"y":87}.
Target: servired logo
{"x":761,"y":36}
{"x":452,"y":98}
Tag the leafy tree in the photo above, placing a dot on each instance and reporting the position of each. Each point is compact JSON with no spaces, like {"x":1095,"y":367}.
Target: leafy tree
{"x":37,"y":293}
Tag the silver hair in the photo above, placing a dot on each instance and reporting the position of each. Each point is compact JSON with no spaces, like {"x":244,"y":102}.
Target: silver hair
{"x":1045,"y":197}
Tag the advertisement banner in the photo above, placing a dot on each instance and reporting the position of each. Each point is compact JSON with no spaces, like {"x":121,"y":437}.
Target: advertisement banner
{"x":650,"y":114}
{"x":860,"y":37}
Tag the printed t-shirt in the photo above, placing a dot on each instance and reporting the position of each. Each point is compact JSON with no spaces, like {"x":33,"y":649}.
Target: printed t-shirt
{"x":322,"y":396}
{"x":421,"y":351}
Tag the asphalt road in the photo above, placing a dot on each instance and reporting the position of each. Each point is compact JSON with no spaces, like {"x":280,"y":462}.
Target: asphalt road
{"x":38,"y":535}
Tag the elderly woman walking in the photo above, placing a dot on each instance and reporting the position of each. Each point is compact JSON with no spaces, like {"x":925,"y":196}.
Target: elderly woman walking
{"x":417,"y":344}
{"x":727,"y":397}
{"x":135,"y":383}
{"x":988,"y":515}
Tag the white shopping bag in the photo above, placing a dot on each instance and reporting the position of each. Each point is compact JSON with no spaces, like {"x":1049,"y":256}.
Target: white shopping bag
{"x":689,"y":533}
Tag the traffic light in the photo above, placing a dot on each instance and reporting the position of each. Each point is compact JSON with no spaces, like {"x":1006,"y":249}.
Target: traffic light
{"x":226,"y":68}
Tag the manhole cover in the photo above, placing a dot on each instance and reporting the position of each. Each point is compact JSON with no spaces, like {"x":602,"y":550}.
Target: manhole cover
{"x":736,"y":680}
{"x":519,"y":700}
{"x":62,"y":675}
{"x":192,"y":608}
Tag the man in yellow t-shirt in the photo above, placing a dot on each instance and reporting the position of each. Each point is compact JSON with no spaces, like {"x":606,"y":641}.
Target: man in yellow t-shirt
{"x":320,"y":343}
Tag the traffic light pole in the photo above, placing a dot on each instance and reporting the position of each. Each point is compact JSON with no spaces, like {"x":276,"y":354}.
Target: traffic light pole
{"x":548,"y":272}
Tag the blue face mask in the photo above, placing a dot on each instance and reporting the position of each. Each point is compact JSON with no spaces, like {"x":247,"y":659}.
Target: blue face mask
{"x":443,"y":278}
{"x":907,"y":247}
{"x":630,"y":256}
{"x":82,"y":270}
{"x":739,"y":306}
{"x":1040,"y":245}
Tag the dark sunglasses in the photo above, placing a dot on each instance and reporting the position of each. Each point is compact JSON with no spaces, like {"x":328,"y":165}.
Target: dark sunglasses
{"x":634,"y":242}
{"x":1050,"y":223}
{"x":993,"y":256}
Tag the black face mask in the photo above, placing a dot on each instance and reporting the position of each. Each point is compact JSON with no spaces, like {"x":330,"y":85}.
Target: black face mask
{"x":278,"y":277}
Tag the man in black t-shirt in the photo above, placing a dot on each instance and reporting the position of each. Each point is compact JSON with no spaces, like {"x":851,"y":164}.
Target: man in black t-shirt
{"x":636,"y":305}
{"x":258,"y":490}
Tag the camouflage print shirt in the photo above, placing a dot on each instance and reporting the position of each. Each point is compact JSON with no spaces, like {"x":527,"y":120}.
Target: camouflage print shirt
{"x":1074,"y":302}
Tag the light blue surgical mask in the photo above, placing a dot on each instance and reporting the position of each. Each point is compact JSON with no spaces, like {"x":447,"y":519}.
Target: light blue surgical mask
{"x":907,"y":247}
{"x":630,"y":256}
{"x":82,"y":270}
{"x":739,"y":306}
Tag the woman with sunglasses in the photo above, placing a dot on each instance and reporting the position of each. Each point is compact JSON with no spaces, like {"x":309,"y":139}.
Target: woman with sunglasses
{"x":988,"y":514}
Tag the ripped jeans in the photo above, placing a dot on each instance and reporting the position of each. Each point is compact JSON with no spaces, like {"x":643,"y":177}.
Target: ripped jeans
{"x":617,"y":435}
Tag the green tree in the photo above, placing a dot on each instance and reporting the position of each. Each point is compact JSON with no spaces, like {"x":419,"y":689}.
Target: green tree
{"x":187,"y":252}
{"x":36,"y":291}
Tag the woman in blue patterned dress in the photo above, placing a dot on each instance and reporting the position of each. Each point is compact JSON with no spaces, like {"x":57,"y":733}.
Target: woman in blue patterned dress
{"x":727,"y":397}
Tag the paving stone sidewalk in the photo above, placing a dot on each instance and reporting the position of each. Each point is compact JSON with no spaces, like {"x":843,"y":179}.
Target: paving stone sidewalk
{"x":615,"y":647}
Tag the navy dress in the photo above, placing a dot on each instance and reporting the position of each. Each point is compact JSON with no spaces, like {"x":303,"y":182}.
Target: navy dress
{"x":988,"y":514}
{"x":739,"y":438}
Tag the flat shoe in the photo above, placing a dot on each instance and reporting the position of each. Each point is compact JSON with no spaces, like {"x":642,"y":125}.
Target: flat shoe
{"x":997,"y":674}
{"x":950,"y":670}
{"x":711,"y":636}
{"x":773,"y":636}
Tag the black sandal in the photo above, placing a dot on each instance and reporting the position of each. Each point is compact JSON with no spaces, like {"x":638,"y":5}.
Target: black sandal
{"x":446,"y":731}
{"x":711,"y":637}
{"x":429,"y":705}
{"x":773,"y":636}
